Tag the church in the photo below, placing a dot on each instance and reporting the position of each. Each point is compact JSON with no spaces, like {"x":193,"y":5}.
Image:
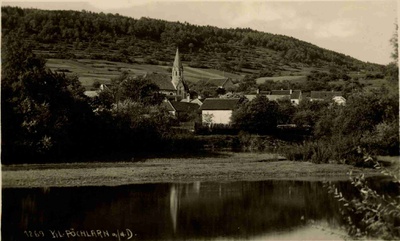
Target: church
{"x":174,"y":86}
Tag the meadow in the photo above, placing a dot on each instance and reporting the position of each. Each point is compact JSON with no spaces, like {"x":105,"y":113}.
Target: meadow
{"x":90,"y":71}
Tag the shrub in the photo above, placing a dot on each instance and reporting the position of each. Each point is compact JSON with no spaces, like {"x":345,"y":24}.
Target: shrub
{"x":314,"y":151}
{"x":370,"y":215}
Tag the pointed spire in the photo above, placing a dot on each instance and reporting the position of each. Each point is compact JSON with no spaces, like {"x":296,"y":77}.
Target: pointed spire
{"x":177,"y":61}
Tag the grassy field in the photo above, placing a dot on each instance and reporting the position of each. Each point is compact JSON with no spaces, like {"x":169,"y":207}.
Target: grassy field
{"x":226,"y":167}
{"x":90,"y":71}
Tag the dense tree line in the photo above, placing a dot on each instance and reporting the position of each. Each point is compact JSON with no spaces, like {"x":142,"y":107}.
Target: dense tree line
{"x":47,"y":118}
{"x":123,"y":37}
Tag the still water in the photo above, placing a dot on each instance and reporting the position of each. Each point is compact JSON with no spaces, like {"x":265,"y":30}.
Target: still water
{"x":168,"y":211}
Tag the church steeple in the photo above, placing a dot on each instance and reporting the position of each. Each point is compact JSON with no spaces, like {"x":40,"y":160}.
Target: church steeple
{"x":177,"y":61}
{"x":177,"y":70}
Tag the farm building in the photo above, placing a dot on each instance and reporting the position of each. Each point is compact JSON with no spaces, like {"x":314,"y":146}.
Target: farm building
{"x":182,"y":110}
{"x":335,"y":96}
{"x":293,"y":95}
{"x":223,"y":83}
{"x":217,"y":110}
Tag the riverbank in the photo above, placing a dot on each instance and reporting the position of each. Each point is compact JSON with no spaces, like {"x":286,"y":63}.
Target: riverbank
{"x":224,"y":168}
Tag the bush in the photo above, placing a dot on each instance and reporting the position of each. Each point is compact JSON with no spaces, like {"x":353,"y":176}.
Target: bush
{"x":370,"y":214}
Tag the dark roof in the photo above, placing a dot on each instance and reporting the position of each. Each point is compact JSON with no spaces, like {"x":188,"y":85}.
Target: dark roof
{"x":295,"y":94}
{"x":184,"y":106}
{"x":219,"y":104}
{"x":280,"y":92}
{"x":217,"y":81}
{"x":163,"y":81}
{"x":167,"y":105}
{"x":325,"y":94}
{"x":265,"y":92}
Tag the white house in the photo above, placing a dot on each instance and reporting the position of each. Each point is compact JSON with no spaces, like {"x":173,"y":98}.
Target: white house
{"x":218,"y":111}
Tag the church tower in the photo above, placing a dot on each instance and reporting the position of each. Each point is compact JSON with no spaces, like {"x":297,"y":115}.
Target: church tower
{"x":177,"y":76}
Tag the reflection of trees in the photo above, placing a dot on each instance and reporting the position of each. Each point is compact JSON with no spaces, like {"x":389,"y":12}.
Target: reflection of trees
{"x":167,"y":211}
{"x":248,"y":208}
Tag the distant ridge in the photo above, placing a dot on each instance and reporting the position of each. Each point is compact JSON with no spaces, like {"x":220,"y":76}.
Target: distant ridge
{"x":87,"y":35}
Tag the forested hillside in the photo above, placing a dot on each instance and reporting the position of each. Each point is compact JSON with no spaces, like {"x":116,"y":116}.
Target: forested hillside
{"x":87,"y":35}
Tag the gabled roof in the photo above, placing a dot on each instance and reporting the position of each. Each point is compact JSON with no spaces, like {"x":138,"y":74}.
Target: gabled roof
{"x":163,"y":81}
{"x":278,"y":97}
{"x":219,"y":82}
{"x":280,"y":92}
{"x":326,"y":95}
{"x":196,"y":101}
{"x":184,"y":106}
{"x":219,"y":104}
{"x":265,"y":92}
{"x":295,"y":94}
{"x":167,"y":105}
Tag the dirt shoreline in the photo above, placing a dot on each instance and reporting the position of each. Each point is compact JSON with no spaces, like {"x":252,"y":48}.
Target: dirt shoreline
{"x":231,"y":167}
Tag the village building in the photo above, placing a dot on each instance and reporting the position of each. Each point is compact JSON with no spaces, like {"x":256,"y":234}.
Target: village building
{"x":274,"y":95}
{"x":293,"y":95}
{"x":222,"y":83}
{"x":181,"y":110}
{"x":335,"y":96}
{"x":196,"y":101}
{"x":218,"y":111}
{"x":173,"y":87}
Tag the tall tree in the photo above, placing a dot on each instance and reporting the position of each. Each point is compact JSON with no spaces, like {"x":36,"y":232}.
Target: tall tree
{"x":257,"y":116}
{"x":42,"y":111}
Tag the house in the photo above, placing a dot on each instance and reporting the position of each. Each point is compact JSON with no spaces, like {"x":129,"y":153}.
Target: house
{"x":335,"y":96}
{"x":222,"y":83}
{"x":293,"y":95}
{"x":182,"y":110}
{"x":217,"y":110}
{"x":196,"y":101}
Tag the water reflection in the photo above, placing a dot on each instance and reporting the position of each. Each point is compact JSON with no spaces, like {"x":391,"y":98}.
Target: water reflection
{"x":171,"y":211}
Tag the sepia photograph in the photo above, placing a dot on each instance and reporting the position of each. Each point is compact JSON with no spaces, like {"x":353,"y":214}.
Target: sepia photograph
{"x":199,"y":120}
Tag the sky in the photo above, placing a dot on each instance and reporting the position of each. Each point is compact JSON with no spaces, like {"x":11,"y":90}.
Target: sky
{"x":361,"y":29}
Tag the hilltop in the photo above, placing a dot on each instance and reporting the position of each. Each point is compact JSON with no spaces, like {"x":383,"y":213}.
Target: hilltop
{"x":98,"y":46}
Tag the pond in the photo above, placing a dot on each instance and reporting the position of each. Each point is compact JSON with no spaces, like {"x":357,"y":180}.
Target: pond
{"x":170,"y":211}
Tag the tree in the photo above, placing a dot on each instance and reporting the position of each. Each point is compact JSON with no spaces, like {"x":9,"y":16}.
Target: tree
{"x":392,"y":69}
{"x":257,"y":116}
{"x":247,"y":84}
{"x":43,"y":112}
{"x":286,"y":111}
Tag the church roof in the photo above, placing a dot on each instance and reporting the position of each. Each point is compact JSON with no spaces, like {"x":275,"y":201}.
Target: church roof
{"x":163,"y":81}
{"x":177,"y":61}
